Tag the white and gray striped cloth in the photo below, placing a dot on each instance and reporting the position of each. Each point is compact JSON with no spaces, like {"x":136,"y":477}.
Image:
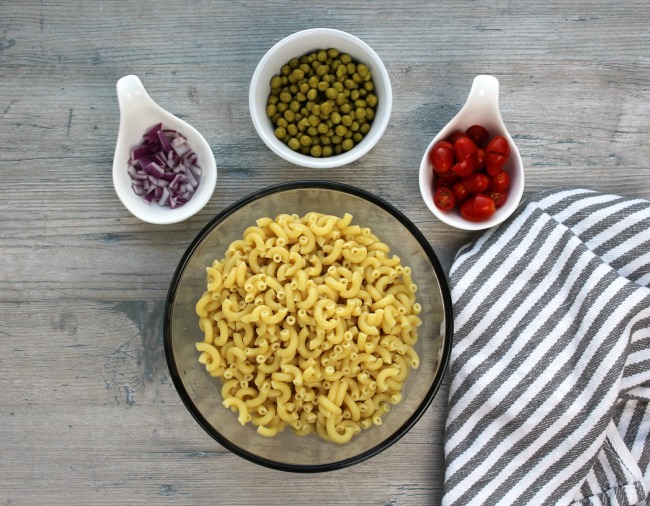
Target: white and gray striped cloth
{"x":550,"y":374}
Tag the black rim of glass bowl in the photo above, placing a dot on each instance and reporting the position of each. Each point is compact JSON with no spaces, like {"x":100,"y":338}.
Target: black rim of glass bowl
{"x":444,"y":356}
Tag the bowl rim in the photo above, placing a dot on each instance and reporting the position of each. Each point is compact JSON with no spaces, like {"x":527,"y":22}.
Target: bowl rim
{"x":444,"y":355}
{"x":378,"y":127}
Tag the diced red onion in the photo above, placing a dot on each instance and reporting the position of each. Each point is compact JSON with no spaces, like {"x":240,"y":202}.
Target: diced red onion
{"x":164,"y":168}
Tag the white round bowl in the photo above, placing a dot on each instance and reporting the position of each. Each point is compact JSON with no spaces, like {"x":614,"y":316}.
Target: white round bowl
{"x":301,"y":43}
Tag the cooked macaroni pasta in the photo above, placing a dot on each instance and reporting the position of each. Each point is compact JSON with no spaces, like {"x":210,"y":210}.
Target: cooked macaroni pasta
{"x":311,"y":324}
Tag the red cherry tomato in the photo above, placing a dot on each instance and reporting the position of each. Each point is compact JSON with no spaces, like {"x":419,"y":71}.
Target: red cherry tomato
{"x":480,"y":159}
{"x":497,"y":154}
{"x":499,"y":145}
{"x":464,"y":168}
{"x":444,"y":199}
{"x":499,"y":198}
{"x":456,"y":135}
{"x":464,"y":148}
{"x":500,"y":182}
{"x":478,"y":134}
{"x":484,"y":206}
{"x":467,"y":209}
{"x":460,"y":192}
{"x":441,"y":156}
{"x":476,"y":183}
{"x":445,"y":178}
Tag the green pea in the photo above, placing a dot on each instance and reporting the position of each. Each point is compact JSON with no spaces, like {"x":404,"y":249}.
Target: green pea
{"x":312,"y":94}
{"x":371,"y":100}
{"x":357,"y":137}
{"x":294,"y":144}
{"x":294,"y":62}
{"x":285,"y":70}
{"x":280,"y":132}
{"x":285,"y":97}
{"x":335,"y":117}
{"x":316,"y":151}
{"x":282,"y":123}
{"x":292,"y":130}
{"x":282,"y":106}
{"x":276,"y":82}
{"x":340,"y":130}
{"x":271,"y":109}
{"x":347,"y":144}
{"x":365,"y":128}
{"x":305,"y":140}
{"x":326,"y":108}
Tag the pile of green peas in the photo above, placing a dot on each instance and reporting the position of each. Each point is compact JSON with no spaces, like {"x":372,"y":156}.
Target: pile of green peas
{"x":322,"y":103}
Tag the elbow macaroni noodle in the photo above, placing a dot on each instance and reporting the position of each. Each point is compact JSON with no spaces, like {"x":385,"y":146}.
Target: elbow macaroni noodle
{"x":310,"y":324}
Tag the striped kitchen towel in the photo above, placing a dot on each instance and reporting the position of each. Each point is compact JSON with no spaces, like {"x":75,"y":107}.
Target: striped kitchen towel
{"x":550,"y":375}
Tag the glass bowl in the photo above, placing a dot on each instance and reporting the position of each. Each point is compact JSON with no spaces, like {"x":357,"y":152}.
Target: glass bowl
{"x":201,"y":393}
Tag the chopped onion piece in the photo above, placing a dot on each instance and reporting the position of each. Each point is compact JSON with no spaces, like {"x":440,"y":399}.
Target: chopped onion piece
{"x":164,"y":168}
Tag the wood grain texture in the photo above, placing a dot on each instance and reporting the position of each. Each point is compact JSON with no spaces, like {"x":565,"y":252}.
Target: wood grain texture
{"x":89,"y":414}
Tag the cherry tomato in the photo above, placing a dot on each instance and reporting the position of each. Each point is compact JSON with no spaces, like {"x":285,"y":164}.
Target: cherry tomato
{"x":456,"y":135}
{"x":445,"y":178}
{"x":464,"y":148}
{"x":480,"y":159}
{"x":444,"y":199}
{"x":478,"y":134}
{"x":476,"y":183}
{"x":464,"y":168}
{"x":484,"y":206}
{"x":500,"y":182}
{"x":497,"y":154}
{"x":495,"y":163}
{"x":499,"y":145}
{"x":467,"y":209}
{"x":499,"y":198}
{"x":460,"y":191}
{"x":441,"y":156}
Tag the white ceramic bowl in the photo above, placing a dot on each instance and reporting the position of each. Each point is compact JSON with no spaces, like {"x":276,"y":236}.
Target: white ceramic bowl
{"x":481,"y":108}
{"x":301,"y":43}
{"x":138,"y":113}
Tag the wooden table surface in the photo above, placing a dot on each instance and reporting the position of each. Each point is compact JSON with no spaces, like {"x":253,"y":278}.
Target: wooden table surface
{"x":89,"y":414}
